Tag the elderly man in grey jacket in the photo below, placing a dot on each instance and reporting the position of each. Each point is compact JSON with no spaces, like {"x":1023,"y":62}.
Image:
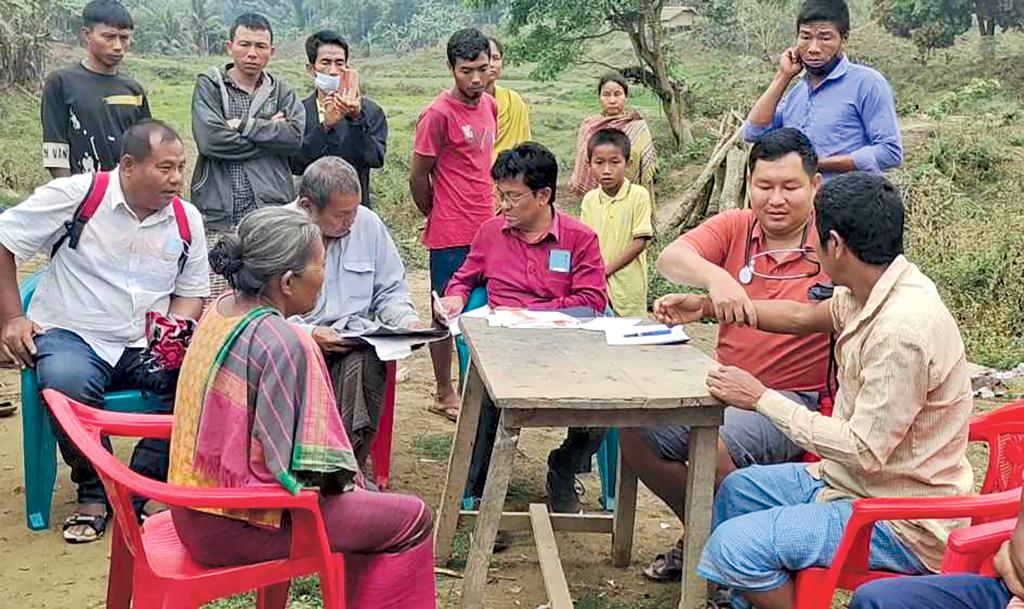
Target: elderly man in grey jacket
{"x":364,"y":286}
{"x":246,"y":123}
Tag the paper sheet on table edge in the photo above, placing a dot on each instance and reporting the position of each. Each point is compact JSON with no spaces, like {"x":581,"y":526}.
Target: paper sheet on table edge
{"x":478,"y":313}
{"x":614,"y":336}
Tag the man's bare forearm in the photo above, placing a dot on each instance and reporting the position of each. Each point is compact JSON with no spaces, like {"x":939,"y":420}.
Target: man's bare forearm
{"x":182,"y":307}
{"x":682,"y":265}
{"x":422,"y":193}
{"x":791,"y":317}
{"x":763,"y":112}
{"x":10,"y":300}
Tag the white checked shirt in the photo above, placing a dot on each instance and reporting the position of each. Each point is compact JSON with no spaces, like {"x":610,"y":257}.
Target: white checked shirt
{"x":121,"y":269}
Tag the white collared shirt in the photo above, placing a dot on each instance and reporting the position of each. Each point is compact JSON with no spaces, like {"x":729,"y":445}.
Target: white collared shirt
{"x":121,"y":269}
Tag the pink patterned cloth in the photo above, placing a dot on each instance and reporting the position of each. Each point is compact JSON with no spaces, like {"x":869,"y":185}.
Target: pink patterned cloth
{"x":167,"y":338}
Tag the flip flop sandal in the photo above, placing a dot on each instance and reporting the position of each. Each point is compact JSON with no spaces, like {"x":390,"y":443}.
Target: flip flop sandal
{"x":7,"y":409}
{"x":667,"y":567}
{"x":452,"y":414}
{"x":98,"y":524}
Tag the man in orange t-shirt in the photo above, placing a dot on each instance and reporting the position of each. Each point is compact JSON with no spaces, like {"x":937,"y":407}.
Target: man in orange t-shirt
{"x":762,"y":253}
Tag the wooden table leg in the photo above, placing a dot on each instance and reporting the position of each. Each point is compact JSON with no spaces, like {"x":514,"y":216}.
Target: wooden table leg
{"x":491,"y":506}
{"x":625,"y":515}
{"x":458,"y":465}
{"x":700,"y":492}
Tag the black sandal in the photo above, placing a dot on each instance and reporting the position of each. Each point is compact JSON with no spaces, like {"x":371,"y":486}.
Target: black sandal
{"x":98,"y":525}
{"x":667,"y":567}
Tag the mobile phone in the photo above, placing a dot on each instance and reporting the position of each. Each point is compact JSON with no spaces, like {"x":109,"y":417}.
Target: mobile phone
{"x":345,"y":87}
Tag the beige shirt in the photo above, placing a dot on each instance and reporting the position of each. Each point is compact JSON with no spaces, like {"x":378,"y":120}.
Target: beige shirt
{"x":122,"y":268}
{"x":900,"y":422}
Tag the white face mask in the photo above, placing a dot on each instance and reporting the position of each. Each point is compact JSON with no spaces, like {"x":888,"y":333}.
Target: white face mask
{"x":326,"y":82}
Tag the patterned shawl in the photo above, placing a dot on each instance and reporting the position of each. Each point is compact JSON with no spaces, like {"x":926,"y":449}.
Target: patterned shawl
{"x":255,"y":407}
{"x":642,"y":159}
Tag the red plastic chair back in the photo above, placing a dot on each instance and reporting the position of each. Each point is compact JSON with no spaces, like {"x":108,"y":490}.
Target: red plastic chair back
{"x":116,"y":477}
{"x":1003,"y":431}
{"x":310,"y":551}
{"x":380,"y":448}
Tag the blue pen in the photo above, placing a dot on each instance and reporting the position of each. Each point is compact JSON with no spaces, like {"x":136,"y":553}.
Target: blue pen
{"x":651,"y":333}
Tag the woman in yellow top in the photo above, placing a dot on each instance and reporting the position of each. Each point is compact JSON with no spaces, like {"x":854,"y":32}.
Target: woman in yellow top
{"x":613,"y":93}
{"x":513,"y":113}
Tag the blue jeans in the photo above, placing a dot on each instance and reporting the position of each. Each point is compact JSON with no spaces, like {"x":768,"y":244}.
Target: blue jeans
{"x":939,"y":591}
{"x":69,"y":365}
{"x":768,"y":524}
{"x":443,"y":264}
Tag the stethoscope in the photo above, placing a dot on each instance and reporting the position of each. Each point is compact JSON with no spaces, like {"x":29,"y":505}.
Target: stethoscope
{"x":747,"y":273}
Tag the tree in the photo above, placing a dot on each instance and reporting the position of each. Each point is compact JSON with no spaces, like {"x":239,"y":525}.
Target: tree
{"x":935,"y":24}
{"x":553,"y":34}
{"x":23,"y":40}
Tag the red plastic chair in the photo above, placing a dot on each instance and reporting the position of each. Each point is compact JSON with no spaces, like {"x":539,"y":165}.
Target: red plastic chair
{"x":149,"y":567}
{"x":1003,"y":431}
{"x":971,"y":549}
{"x":380,"y":448}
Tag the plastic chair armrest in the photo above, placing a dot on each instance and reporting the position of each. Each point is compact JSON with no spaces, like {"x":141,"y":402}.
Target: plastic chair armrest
{"x":120,"y":424}
{"x":981,"y":540}
{"x":854,"y":549}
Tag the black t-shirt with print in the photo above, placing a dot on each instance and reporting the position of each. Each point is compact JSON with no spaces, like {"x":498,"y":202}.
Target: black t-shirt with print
{"x":84,"y":115}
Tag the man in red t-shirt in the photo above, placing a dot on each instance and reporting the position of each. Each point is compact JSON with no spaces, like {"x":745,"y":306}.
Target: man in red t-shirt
{"x":450,"y":179}
{"x":762,"y":253}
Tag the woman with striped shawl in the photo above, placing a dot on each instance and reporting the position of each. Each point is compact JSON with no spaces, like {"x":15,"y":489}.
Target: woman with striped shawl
{"x":255,"y":407}
{"x":613,"y":92}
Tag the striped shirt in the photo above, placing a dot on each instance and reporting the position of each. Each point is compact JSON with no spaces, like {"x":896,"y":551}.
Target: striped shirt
{"x":901,"y":417}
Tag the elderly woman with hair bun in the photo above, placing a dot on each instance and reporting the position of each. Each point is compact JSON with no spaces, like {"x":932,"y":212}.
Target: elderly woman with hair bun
{"x":255,"y":407}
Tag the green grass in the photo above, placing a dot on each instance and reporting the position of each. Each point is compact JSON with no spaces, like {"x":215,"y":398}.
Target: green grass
{"x":434,"y":446}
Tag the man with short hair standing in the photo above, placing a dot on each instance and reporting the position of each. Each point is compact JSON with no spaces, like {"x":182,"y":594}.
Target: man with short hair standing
{"x":246,"y":123}
{"x":85,"y":331}
{"x":846,"y":109}
{"x":450,"y":179}
{"x":86,"y":108}
{"x":364,"y":287}
{"x":339,"y":120}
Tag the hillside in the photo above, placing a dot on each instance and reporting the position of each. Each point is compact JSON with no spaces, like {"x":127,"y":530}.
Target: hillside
{"x":961,"y":117}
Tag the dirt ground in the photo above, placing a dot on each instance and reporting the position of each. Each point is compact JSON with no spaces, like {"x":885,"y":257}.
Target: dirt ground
{"x":46,"y":573}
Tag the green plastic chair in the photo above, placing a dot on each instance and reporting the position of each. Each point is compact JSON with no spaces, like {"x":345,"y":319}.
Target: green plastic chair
{"x":607,"y":453}
{"x":40,"y":446}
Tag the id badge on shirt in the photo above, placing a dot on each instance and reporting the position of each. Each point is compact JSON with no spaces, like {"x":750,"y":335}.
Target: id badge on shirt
{"x":559,"y":261}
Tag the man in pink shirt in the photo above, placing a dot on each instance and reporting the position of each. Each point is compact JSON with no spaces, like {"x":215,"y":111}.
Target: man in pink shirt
{"x":533,"y":257}
{"x":450,"y":179}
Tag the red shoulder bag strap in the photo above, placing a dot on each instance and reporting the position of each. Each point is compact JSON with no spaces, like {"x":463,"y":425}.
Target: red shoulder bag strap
{"x":184,"y":231}
{"x":86,"y":209}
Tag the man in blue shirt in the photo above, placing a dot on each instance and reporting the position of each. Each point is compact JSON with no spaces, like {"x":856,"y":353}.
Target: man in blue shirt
{"x":845,"y":109}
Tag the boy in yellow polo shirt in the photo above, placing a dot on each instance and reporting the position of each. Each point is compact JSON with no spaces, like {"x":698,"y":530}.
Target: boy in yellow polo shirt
{"x":620,"y":213}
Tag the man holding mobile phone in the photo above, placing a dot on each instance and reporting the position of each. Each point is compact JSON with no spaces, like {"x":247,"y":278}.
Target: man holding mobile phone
{"x":339,"y":120}
{"x":845,"y":109}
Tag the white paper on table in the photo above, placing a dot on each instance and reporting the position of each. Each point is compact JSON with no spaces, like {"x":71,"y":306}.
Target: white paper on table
{"x":600,"y":324}
{"x":478,"y":313}
{"x":537,"y":320}
{"x":656,"y":334}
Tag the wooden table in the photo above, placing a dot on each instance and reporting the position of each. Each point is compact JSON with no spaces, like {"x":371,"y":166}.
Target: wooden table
{"x":572,"y":378}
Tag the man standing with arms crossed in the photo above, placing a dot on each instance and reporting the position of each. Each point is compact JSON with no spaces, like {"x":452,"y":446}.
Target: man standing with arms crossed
{"x":246,"y":123}
{"x":450,"y":179}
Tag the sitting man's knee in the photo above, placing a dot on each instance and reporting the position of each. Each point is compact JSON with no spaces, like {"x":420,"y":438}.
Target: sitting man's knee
{"x":872,"y":595}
